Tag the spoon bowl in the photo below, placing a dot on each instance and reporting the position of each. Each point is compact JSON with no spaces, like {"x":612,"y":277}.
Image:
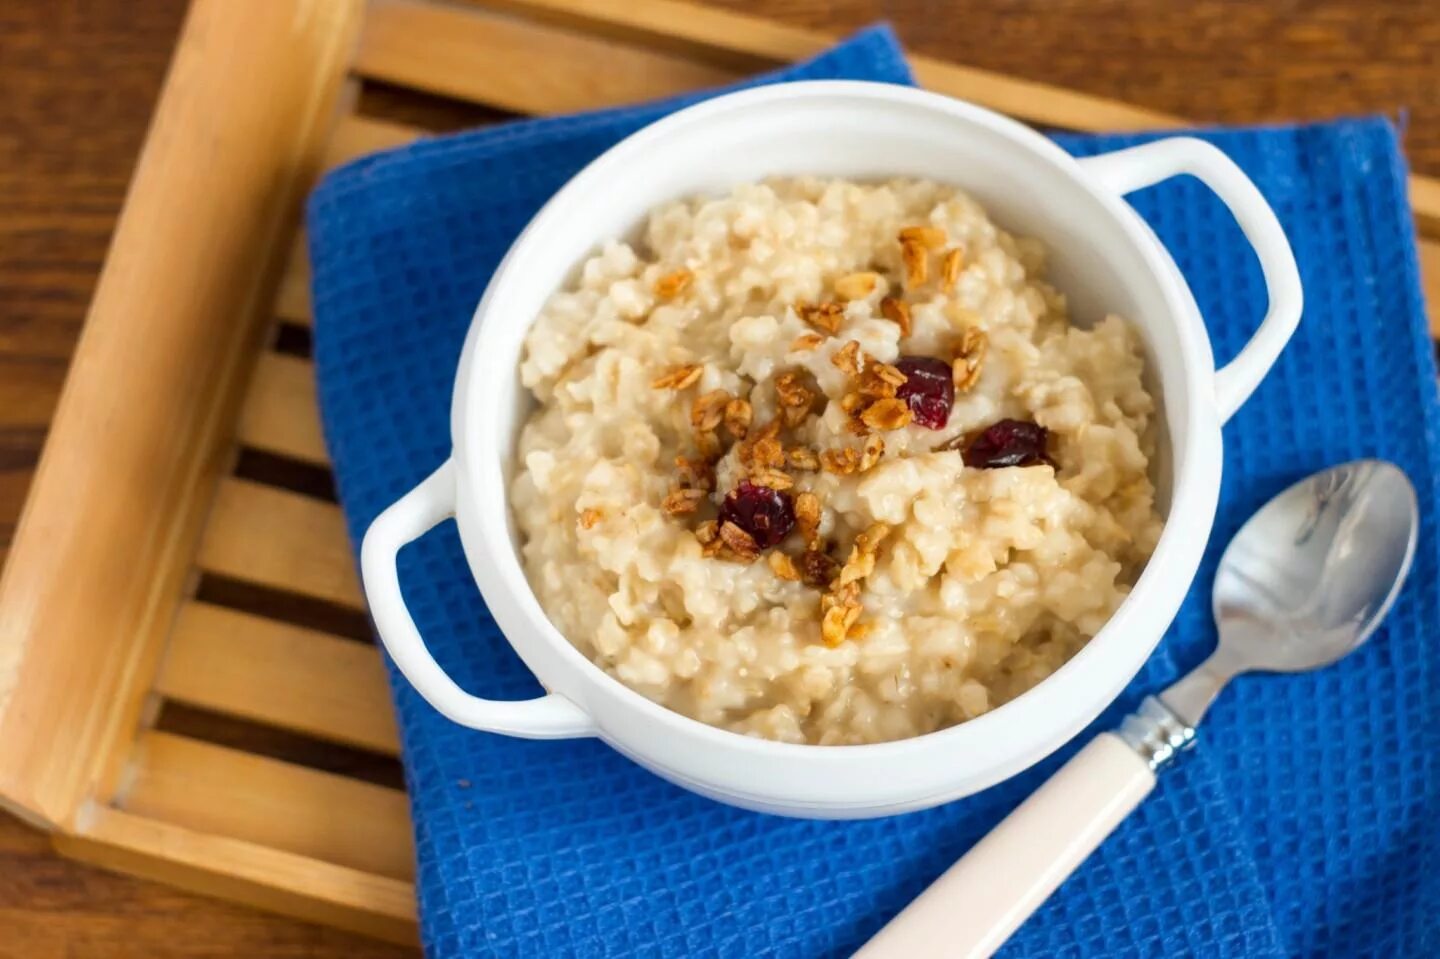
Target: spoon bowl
{"x":1309,"y":577}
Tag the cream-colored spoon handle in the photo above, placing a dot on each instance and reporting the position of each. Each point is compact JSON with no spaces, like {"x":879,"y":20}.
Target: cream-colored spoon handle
{"x":973,"y":908}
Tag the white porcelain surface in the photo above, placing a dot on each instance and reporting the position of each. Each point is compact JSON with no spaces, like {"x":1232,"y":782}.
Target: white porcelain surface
{"x":1102,"y":256}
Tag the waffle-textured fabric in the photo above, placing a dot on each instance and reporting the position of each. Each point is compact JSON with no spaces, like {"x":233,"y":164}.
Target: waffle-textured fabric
{"x":1305,"y":824}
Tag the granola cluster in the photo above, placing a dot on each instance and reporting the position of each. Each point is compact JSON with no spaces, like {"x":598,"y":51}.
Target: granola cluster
{"x":873,"y":403}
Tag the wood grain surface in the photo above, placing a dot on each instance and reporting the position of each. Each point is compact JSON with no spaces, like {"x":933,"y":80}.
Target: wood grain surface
{"x":78,"y":79}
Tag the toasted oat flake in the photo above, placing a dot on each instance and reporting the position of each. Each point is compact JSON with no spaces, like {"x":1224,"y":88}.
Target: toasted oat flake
{"x":683,"y":502}
{"x":965,"y":368}
{"x":679,"y":378}
{"x":825,"y":317}
{"x":589,"y":517}
{"x":783,"y":566}
{"x":870,"y":455}
{"x":856,"y":286}
{"x":807,"y":516}
{"x":897,"y":312}
{"x":887,"y":414}
{"x":802,"y":458}
{"x":806,"y":342}
{"x":840,"y":609}
{"x":739,"y":542}
{"x":773,"y":478}
{"x":737,"y":418}
{"x":847,"y":358}
{"x":842,"y":461}
{"x":861,"y":562}
{"x":708,"y":443}
{"x":874,"y":534}
{"x":929,"y":237}
{"x":708,"y":410}
{"x":917,"y":264}
{"x":876,"y":383}
{"x":673,"y":284}
{"x":708,"y":532}
{"x":857,"y":567}
{"x":950,"y":266}
{"x":889,"y":374}
{"x":769,"y":452}
{"x":763,"y":448}
{"x":794,"y":396}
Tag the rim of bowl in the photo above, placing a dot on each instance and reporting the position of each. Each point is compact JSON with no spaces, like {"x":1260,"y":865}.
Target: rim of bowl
{"x":1174,"y":548}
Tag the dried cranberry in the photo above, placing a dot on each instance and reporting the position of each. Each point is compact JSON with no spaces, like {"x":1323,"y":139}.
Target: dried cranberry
{"x":1009,"y":443}
{"x":929,"y":389}
{"x":766,"y":514}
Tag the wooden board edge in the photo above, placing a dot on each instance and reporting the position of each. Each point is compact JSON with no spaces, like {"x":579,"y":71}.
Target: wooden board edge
{"x":223,"y":791}
{"x":119,"y":535}
{"x":240,"y":871}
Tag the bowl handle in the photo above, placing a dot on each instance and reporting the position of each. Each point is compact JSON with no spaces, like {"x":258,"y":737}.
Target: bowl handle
{"x":409,"y":517}
{"x":1125,"y":171}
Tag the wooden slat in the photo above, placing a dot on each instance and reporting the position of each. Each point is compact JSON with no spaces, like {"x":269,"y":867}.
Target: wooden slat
{"x":143,"y":427}
{"x":280,"y":413}
{"x":292,"y":301}
{"x":270,"y":672}
{"x":356,"y":136}
{"x":282,"y":540}
{"x":1425,"y":201}
{"x":225,"y":792}
{"x":243,"y":871}
{"x":514,"y":65}
{"x":685,"y":27}
{"x":1430,"y":282}
{"x":751,"y":41}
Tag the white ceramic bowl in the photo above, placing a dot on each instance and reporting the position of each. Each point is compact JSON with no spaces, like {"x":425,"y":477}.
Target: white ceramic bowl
{"x":1102,"y":256}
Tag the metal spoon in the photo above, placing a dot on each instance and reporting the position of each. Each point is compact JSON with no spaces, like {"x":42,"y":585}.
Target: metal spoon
{"x":1304,"y":582}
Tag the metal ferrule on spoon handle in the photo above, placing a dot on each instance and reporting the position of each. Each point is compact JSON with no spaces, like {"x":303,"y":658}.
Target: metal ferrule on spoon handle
{"x":1156,"y":733}
{"x":979,"y":902}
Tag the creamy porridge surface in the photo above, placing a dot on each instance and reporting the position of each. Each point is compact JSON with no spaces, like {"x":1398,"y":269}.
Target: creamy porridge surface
{"x":746,"y":359}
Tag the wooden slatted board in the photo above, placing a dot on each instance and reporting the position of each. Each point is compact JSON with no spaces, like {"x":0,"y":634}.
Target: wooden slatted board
{"x":182,"y":570}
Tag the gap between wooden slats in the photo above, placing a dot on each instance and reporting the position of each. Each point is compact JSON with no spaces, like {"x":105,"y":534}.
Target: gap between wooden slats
{"x":283,"y":540}
{"x":298,"y":679}
{"x":225,"y":792}
{"x":497,"y":60}
{"x":265,"y":877}
{"x":280,"y":414}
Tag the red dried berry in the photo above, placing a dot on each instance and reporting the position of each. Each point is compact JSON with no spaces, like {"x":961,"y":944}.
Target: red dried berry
{"x":766,"y":514}
{"x":929,"y":389}
{"x":1009,"y":443}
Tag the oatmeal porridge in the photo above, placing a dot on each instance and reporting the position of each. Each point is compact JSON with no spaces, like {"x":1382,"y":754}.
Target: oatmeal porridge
{"x":826,"y":462}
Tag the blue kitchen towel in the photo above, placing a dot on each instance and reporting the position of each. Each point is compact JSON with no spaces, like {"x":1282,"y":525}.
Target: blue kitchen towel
{"x":1305,"y":824}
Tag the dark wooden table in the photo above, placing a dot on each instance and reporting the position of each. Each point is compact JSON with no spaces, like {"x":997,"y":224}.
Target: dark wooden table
{"x":78,"y":79}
